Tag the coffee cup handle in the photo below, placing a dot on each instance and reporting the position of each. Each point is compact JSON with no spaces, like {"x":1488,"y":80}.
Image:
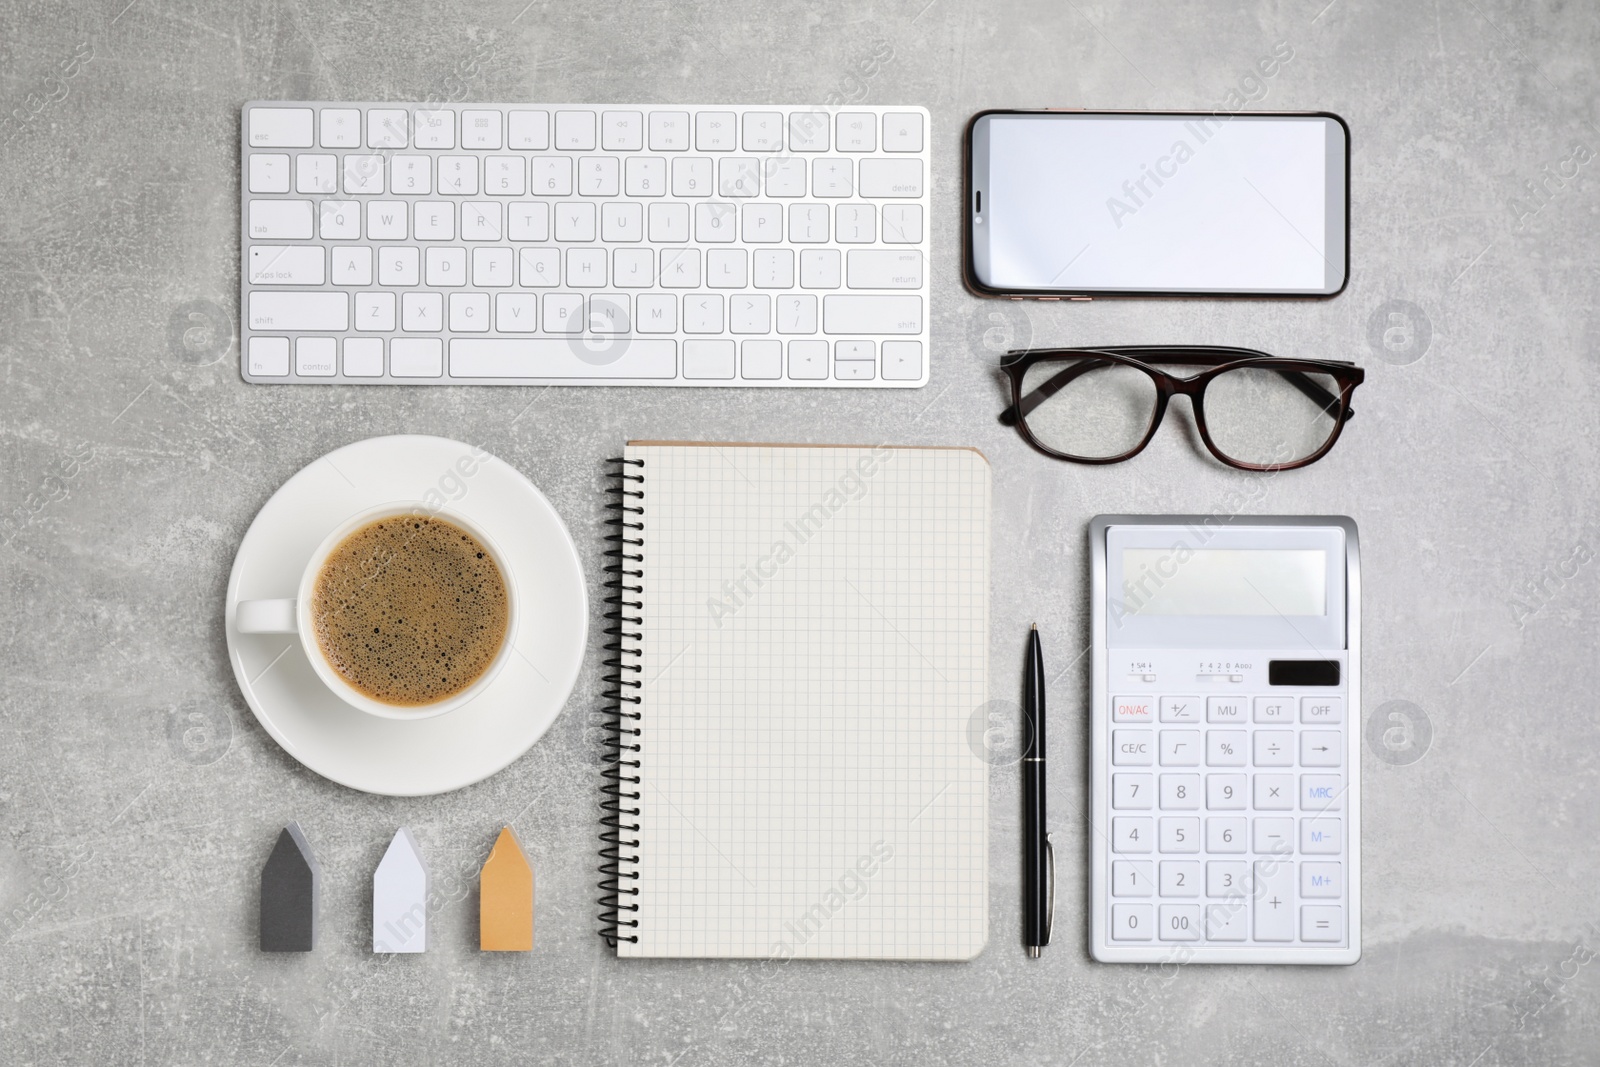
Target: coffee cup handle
{"x":265,"y":617}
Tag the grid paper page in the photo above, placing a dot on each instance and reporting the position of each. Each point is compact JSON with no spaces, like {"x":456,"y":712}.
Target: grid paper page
{"x":815,"y":648}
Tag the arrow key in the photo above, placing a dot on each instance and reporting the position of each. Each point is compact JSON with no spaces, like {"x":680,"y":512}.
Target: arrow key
{"x":1321,"y":748}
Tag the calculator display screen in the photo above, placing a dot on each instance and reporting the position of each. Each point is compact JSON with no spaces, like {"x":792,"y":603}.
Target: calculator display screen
{"x":1224,"y":581}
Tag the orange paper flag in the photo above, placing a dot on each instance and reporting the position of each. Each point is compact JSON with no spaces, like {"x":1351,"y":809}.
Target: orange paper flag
{"x":505,"y":898}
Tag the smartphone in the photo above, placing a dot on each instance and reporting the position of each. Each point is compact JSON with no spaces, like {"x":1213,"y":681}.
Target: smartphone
{"x":1079,"y":204}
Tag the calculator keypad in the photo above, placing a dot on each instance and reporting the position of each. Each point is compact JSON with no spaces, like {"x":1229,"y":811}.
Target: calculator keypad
{"x":1226,"y":819}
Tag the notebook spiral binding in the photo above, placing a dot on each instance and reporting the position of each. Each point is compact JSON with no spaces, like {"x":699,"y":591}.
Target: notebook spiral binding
{"x":624,"y":585}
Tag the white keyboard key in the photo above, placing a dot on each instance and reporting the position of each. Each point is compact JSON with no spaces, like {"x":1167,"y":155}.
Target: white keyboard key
{"x":1322,"y":711}
{"x":286,"y":265}
{"x":832,"y":176}
{"x":1225,"y":792}
{"x":1132,"y":791}
{"x":399,"y":265}
{"x":363,"y":175}
{"x":285,"y":219}
{"x":797,"y":314}
{"x":785,"y":176}
{"x":528,"y":221}
{"x":703,"y":313}
{"x":1321,"y":836}
{"x":808,"y":223}
{"x":599,"y":176}
{"x":269,"y":356}
{"x":1180,"y":748}
{"x":1173,"y":709}
{"x":1275,"y":710}
{"x":1180,"y":835}
{"x":516,"y":312}
{"x":1274,"y":900}
{"x":1273,"y":748}
{"x":1179,"y":791}
{"x":315,"y":173}
{"x":341,"y":128}
{"x":280,"y":127}
{"x":269,"y":173}
{"x":1226,"y":710}
{"x":902,"y":131}
{"x":1180,"y":922}
{"x":1179,"y":878}
{"x":810,"y":131}
{"x":550,"y":176}
{"x":316,"y":357}
{"x":738,"y":176}
{"x":341,"y":220}
{"x":575,"y":131}
{"x":480,"y":221}
{"x":1225,"y":835}
{"x":352,"y":265}
{"x":480,"y":129}
{"x":1321,"y":748}
{"x":763,"y":131}
{"x":610,"y":313}
{"x":1227,"y":922}
{"x":856,"y":131}
{"x":680,"y":268}
{"x":386,"y":220}
{"x":1274,"y":792}
{"x":458,"y":175}
{"x":854,"y":352}
{"x":422,"y":312}
{"x":715,"y":131}
{"x":528,"y":131}
{"x":563,"y":313}
{"x":375,"y":312}
{"x":363,"y":357}
{"x":416,"y":357}
{"x":1132,"y":922}
{"x":644,"y":176}
{"x":1272,"y":836}
{"x":575,"y":221}
{"x":902,"y":360}
{"x":773,"y":268}
{"x":548,"y":357}
{"x":1227,"y":878}
{"x":1132,"y":878}
{"x":900,"y":178}
{"x":1226,"y":748}
{"x":621,"y":131}
{"x":388,"y":128}
{"x":669,"y":222}
{"x":434,"y":129}
{"x":586,"y":268}
{"x":633,"y":268}
{"x":1321,"y":879}
{"x":538,"y":268}
{"x":1129,"y":834}
{"x":855,"y":224}
{"x":297,"y":312}
{"x":669,"y":131}
{"x":1132,"y":748}
{"x":761,"y":360}
{"x":708,"y":359}
{"x":658,"y":313}
{"x":1321,"y":922}
{"x":819,"y":269}
{"x":1321,"y":792}
{"x":716,"y":223}
{"x":446,"y":267}
{"x":504,"y":176}
{"x":902,"y":224}
{"x":750,"y":313}
{"x":854,"y":370}
{"x":433,"y":220}
{"x":808,"y":360}
{"x":727,"y":268}
{"x":621,"y":223}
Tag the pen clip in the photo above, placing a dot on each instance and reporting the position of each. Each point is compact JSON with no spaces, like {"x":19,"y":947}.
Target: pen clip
{"x":1050,"y":913}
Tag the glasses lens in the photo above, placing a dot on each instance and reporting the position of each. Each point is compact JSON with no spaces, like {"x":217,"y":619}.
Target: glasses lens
{"x":1271,"y":417}
{"x":1088,"y":408}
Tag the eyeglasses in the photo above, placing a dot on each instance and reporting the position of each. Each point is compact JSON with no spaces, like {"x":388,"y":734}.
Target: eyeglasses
{"x":1254,"y":411}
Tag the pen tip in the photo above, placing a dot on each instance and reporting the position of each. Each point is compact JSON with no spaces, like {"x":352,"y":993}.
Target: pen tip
{"x":1035,"y":626}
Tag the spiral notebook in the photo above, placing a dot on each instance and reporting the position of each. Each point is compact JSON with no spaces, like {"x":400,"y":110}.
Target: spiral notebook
{"x":799,"y":639}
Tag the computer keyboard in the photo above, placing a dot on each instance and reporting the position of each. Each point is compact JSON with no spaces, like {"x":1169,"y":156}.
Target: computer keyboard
{"x":574,"y":244}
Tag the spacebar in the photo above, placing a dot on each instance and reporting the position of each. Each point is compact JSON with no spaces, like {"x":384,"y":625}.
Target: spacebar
{"x":554,"y":357}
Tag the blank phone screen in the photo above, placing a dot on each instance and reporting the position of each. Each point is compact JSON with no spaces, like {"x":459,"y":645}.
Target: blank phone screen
{"x":1162,"y":203}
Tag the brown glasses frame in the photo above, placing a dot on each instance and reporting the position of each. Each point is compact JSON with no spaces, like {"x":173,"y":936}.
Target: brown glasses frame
{"x":1219,"y":360}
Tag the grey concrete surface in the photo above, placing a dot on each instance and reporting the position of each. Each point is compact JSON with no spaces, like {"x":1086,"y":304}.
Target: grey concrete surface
{"x":138,"y":796}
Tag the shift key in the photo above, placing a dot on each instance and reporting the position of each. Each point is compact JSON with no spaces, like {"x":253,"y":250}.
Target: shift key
{"x":299,"y":311}
{"x":871,"y":314}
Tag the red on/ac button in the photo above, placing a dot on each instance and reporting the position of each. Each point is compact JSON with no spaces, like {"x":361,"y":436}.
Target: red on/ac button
{"x":1133,"y":709}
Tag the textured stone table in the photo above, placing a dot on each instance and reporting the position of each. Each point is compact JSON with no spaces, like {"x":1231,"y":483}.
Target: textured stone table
{"x":138,"y":795}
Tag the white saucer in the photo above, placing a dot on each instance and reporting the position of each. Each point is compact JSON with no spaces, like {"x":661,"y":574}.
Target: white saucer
{"x":459,"y":747}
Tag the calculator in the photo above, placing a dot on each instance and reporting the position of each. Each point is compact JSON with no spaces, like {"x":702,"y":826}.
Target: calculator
{"x":1226,"y":793}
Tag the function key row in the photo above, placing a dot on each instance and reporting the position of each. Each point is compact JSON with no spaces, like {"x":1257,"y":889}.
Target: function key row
{"x":585,"y":130}
{"x":1226,"y":748}
{"x":1318,"y":710}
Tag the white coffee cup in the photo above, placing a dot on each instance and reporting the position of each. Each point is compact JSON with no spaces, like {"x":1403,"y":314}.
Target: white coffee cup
{"x":293,"y":616}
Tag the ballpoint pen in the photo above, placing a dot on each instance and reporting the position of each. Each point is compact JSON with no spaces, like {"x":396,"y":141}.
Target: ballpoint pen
{"x":1038,"y":858}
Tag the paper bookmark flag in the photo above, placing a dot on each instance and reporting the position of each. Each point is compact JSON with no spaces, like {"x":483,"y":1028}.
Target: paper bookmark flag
{"x":505,"y":898}
{"x":400,"y":897}
{"x":291,"y":892}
